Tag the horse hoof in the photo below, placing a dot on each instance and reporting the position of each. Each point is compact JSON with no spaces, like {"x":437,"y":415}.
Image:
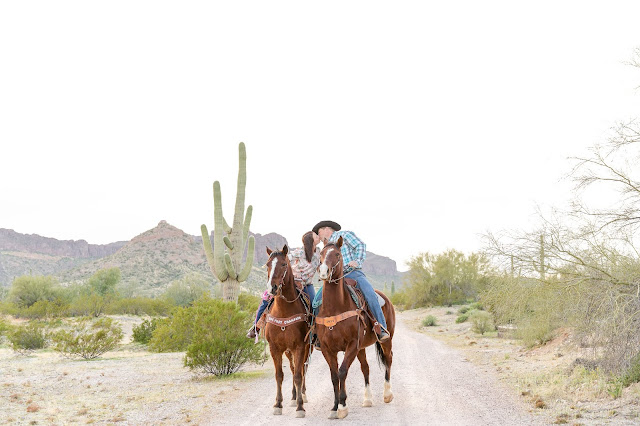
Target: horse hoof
{"x":388,"y":398}
{"x":333,"y":415}
{"x":277,"y":411}
{"x":300,"y":414}
{"x":367,"y":403}
{"x":343,"y":410}
{"x":304,"y":398}
{"x":293,"y":403}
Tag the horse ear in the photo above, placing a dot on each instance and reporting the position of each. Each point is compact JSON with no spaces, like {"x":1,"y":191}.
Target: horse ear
{"x":268,"y":251}
{"x":285,"y":249}
{"x":339,"y":242}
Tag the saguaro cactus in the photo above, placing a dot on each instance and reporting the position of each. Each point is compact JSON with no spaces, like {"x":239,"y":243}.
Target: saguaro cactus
{"x":541,"y":268}
{"x":225,"y":258}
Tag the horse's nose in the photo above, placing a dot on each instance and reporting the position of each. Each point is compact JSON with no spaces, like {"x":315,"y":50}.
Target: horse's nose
{"x":323,"y":271}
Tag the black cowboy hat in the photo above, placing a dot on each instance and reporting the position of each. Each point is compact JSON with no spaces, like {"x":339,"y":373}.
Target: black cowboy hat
{"x":328,"y":223}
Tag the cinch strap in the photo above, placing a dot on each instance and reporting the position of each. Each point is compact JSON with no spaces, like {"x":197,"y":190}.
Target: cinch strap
{"x":331,"y":321}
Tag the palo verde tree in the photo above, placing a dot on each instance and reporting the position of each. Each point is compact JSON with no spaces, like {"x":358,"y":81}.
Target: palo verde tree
{"x":229,"y":242}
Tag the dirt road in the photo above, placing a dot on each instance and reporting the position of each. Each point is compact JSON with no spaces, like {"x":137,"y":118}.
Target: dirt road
{"x":432,"y":384}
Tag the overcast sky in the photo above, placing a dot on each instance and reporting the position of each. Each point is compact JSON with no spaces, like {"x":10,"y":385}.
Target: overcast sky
{"x":417,"y":125}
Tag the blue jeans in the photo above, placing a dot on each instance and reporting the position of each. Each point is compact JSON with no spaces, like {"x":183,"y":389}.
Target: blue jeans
{"x":311,"y":292}
{"x":261,"y":309}
{"x":367,"y":291}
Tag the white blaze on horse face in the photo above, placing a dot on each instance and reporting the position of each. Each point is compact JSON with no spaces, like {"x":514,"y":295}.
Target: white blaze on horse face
{"x":324,"y":269}
{"x":273,"y":270}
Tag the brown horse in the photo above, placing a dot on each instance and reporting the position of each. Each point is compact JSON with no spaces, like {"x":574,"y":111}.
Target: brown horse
{"x":287,"y":328}
{"x":341,"y":326}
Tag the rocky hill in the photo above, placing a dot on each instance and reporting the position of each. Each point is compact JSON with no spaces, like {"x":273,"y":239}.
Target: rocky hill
{"x":148,"y":263}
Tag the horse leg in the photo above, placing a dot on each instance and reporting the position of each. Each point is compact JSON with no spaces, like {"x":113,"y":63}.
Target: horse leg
{"x":364,"y":366}
{"x":305,"y":358}
{"x":277,"y":363}
{"x":349,"y":356}
{"x":332,"y":361}
{"x":298,"y":377}
{"x":292,"y":366}
{"x":387,"y":358}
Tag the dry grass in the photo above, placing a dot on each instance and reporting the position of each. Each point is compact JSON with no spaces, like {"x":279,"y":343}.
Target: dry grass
{"x":544,"y":375}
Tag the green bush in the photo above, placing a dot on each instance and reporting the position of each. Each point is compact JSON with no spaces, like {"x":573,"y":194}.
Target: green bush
{"x":139,"y":306}
{"x":185,"y":291}
{"x":477,"y":305}
{"x":27,"y":338}
{"x":142,"y":333}
{"x":482,"y":321}
{"x":248,"y":302}
{"x":632,"y":374}
{"x":463,"y":310}
{"x":462,"y":318}
{"x":4,"y":327}
{"x":173,"y":334}
{"x":219,"y":345}
{"x":88,"y":339}
{"x":429,"y":321}
{"x":89,"y":305}
{"x":44,"y":309}
{"x":28,"y":289}
{"x":399,"y":300}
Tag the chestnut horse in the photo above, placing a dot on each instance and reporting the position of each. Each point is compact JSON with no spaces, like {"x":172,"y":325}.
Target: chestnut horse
{"x":287,"y":328}
{"x":342,"y":326}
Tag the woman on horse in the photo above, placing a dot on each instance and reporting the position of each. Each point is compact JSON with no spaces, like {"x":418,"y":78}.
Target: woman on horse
{"x":304,"y":263}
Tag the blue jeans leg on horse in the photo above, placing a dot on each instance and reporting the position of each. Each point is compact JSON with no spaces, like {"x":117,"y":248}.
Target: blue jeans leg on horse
{"x":311,"y":292}
{"x":261,"y":309}
{"x":369,"y":294}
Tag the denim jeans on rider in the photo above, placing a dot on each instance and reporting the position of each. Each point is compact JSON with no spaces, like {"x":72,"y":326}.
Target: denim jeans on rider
{"x":367,"y":291}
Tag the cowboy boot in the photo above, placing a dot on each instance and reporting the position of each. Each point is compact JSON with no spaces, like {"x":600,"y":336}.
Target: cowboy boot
{"x":251,"y":334}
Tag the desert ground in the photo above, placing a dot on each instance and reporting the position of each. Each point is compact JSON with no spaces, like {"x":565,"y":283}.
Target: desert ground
{"x":442,"y":375}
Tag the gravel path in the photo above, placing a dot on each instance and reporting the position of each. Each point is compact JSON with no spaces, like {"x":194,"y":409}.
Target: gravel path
{"x":433,"y":385}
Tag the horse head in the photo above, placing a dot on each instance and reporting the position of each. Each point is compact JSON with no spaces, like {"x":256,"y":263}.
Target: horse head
{"x":278,"y":268}
{"x":331,"y":262}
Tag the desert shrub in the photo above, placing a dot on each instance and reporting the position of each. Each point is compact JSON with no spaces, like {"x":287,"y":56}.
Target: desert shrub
{"x":219,"y":345}
{"x":44,"y":309}
{"x":185,"y":291}
{"x":399,"y":300}
{"x":88,"y":305}
{"x":4,"y":327}
{"x":104,"y":281}
{"x":88,"y":339}
{"x":632,"y":374}
{"x":463,"y":310}
{"x":27,"y":338}
{"x":482,"y":321}
{"x":477,"y":305}
{"x":28,"y":289}
{"x":248,"y":302}
{"x":173,"y":334}
{"x":139,"y":306}
{"x":143,"y":332}
{"x":462,"y":318}
{"x":429,"y":321}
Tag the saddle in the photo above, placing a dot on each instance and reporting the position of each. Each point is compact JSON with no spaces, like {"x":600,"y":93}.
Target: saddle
{"x":361,"y":304}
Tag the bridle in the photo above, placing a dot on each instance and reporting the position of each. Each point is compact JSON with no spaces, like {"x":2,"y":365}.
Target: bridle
{"x":334,"y":267}
{"x":278,"y":292}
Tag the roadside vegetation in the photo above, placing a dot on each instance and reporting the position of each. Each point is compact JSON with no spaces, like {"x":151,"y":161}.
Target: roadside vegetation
{"x":76,"y":320}
{"x":578,"y":269}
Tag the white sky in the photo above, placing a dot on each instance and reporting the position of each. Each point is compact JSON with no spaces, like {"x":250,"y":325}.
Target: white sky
{"x":417,"y":125}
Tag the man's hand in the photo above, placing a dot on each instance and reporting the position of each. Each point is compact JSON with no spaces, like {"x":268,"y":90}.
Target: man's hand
{"x":353,"y":264}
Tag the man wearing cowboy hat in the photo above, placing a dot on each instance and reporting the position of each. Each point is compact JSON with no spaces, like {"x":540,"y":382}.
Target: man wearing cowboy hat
{"x":353,"y":254}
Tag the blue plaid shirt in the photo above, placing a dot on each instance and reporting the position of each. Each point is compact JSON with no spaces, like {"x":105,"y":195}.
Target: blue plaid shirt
{"x":352,"y":249}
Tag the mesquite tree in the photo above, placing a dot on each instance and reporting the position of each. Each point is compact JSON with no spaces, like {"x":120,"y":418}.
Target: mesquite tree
{"x":229,"y":242}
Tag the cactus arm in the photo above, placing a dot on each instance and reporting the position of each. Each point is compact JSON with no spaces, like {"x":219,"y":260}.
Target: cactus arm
{"x":218,"y":248}
{"x":230,"y":268}
{"x":244,"y":274}
{"x":208,"y":251}
{"x":226,"y":226}
{"x":247,"y":222}
{"x":242,"y":183}
{"x":227,"y":242}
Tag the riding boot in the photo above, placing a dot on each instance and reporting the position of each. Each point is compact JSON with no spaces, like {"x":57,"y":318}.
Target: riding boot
{"x":252,"y":332}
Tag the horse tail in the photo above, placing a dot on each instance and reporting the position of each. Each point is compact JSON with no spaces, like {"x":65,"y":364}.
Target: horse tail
{"x":382,"y":359}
